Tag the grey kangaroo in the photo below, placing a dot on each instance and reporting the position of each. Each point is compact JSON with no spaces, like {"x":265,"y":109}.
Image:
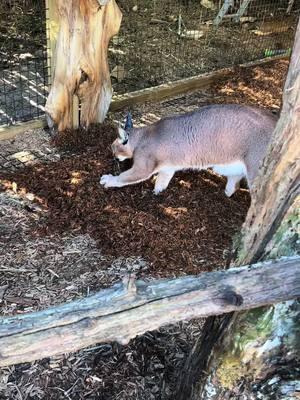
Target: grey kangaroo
{"x":231,"y":139}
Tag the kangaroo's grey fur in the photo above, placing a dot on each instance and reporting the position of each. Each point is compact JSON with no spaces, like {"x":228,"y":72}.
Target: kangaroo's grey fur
{"x":232,"y":139}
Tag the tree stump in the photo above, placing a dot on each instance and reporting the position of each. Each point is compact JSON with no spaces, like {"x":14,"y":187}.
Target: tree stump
{"x":81,"y":72}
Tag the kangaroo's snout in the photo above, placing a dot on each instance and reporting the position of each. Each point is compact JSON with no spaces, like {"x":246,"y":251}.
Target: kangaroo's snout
{"x":121,"y":151}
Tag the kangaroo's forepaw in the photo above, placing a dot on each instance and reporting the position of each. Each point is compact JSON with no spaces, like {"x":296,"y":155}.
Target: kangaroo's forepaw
{"x":108,"y":181}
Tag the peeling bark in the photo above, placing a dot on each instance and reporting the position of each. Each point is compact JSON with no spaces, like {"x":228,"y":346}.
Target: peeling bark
{"x":81,"y":66}
{"x":262,"y":357}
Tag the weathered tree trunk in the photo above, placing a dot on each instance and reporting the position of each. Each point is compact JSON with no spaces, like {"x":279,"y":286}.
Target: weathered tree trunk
{"x":260,"y":352}
{"x":253,"y":354}
{"x":81,"y":68}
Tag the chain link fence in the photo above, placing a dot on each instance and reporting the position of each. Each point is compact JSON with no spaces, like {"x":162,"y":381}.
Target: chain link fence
{"x":159,"y":41}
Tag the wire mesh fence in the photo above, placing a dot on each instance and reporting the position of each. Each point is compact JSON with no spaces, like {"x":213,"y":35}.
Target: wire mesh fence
{"x":159,"y":41}
{"x":163,"y":41}
{"x":23,"y":62}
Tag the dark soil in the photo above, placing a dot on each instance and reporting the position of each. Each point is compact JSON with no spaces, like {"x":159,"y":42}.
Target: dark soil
{"x":187,"y":229}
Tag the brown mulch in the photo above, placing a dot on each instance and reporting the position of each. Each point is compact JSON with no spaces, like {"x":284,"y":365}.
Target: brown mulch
{"x":47,"y":257}
{"x":261,"y":85}
{"x":187,"y":229}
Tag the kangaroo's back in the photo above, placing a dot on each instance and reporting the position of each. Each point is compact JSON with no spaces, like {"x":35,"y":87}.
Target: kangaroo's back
{"x":212,"y":135}
{"x":230,"y":138}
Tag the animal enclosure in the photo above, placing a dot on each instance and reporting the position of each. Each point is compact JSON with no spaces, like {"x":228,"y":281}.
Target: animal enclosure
{"x":66,"y":242}
{"x":158,"y":42}
{"x":71,"y":238}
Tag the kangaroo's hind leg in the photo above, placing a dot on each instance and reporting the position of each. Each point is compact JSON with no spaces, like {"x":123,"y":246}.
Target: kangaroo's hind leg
{"x":233,"y":184}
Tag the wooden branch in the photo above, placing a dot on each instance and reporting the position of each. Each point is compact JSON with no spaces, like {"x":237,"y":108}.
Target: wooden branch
{"x":9,"y":132}
{"x":132,"y":308}
{"x":169,"y":89}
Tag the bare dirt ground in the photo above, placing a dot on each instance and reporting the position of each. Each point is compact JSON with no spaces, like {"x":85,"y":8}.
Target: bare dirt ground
{"x":62,"y":237}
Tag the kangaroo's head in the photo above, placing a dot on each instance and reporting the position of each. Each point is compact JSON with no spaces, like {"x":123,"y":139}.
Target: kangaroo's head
{"x":121,"y":147}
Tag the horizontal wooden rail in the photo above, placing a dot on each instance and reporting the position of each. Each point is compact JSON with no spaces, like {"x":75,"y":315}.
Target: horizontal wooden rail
{"x":156,"y":93}
{"x":9,"y":132}
{"x":133,"y":307}
{"x":171,"y":89}
{"x":166,"y":90}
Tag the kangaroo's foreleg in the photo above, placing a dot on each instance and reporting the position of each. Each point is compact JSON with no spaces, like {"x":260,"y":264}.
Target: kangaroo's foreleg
{"x":134,"y":175}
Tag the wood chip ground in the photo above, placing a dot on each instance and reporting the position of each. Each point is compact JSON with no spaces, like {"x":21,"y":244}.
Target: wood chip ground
{"x":63,"y":236}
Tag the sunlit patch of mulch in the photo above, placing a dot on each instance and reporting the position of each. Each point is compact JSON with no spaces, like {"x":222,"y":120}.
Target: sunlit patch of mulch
{"x":187,"y":229}
{"x":261,"y":85}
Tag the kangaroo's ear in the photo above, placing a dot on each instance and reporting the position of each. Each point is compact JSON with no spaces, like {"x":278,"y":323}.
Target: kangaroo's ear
{"x":123,"y":135}
{"x":128,"y":122}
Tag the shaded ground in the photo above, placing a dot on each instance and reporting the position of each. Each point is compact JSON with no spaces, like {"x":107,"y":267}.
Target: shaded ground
{"x":187,"y":228}
{"x":64,"y":236}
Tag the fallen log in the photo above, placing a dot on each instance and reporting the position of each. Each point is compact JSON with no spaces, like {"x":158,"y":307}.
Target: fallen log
{"x":133,"y":307}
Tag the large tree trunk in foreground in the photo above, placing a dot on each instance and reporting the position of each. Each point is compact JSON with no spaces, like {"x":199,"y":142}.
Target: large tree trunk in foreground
{"x":261,"y":349}
{"x":81,"y":68}
{"x":253,"y":354}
